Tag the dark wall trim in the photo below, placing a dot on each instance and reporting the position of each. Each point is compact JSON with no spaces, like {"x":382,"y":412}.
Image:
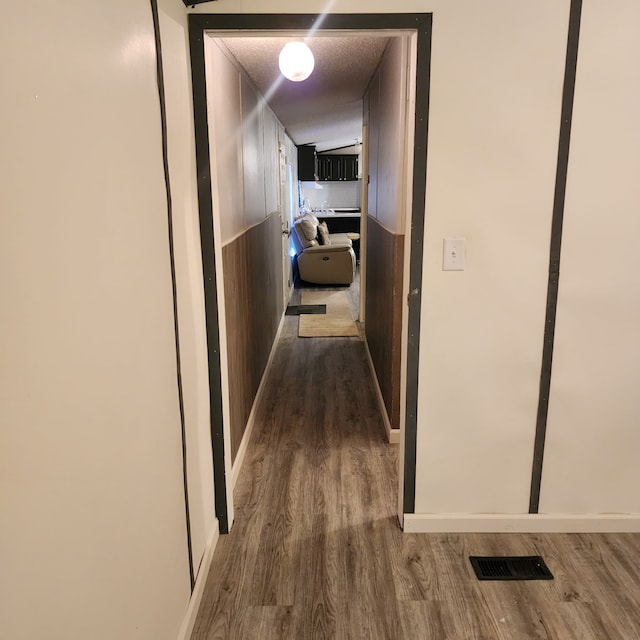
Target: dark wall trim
{"x":421,"y":23}
{"x":568,"y":91}
{"x":298,"y":21}
{"x":418,"y":213}
{"x":203,"y":168}
{"x":172,"y":260}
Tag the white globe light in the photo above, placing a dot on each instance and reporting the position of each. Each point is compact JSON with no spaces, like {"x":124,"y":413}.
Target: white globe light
{"x":296,"y":61}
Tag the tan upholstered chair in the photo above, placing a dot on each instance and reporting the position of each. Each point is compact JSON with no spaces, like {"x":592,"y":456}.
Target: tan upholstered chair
{"x":323,"y":258}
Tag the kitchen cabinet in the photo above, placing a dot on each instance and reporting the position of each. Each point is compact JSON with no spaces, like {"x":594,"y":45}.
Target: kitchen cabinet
{"x":337,"y":167}
{"x":307,"y":163}
{"x":350,"y":167}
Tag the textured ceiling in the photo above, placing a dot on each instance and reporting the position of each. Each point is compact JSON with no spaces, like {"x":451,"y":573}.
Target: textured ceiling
{"x":325,"y":109}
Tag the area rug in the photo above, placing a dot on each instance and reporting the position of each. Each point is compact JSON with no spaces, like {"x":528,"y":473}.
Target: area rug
{"x":337,"y":322}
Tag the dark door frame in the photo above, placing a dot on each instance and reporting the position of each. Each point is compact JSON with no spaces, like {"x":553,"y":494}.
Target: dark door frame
{"x":420,"y":24}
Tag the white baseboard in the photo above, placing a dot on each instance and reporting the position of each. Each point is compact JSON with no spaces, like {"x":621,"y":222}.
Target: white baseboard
{"x":525,"y":523}
{"x":392,"y":434}
{"x":242,"y":449}
{"x":201,"y":579}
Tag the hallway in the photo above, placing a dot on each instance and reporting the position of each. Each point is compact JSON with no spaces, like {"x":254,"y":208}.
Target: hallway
{"x":316,"y":550}
{"x":316,"y":496}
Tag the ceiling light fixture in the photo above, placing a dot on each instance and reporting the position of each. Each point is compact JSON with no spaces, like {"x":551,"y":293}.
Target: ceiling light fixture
{"x":296,"y":61}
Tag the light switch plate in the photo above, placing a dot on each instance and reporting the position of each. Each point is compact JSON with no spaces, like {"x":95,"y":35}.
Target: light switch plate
{"x":454,"y":254}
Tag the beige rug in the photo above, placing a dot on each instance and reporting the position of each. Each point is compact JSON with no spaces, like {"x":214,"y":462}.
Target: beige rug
{"x":337,"y":322}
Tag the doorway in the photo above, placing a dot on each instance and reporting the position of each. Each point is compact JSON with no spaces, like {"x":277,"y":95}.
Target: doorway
{"x":420,"y":26}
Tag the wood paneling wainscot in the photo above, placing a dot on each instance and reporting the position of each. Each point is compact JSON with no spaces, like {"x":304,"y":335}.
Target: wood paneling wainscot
{"x":383,"y":324}
{"x":252,"y":266}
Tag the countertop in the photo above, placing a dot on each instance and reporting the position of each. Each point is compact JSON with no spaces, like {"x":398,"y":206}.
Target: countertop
{"x":338,"y":213}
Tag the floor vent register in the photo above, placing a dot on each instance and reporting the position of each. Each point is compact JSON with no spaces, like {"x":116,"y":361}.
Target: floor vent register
{"x":510,"y":568}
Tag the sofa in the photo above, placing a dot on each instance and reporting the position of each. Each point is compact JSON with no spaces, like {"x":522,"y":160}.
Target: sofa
{"x":322,"y":257}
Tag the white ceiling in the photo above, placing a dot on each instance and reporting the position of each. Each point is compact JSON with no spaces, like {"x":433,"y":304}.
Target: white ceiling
{"x":326,"y":109}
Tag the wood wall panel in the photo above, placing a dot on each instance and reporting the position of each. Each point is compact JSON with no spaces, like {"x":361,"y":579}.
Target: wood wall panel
{"x":252,"y":266}
{"x":383,"y":326}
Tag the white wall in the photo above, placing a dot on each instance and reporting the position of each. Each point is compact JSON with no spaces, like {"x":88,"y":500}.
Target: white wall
{"x":93,"y":525}
{"x":191,"y":313}
{"x":225,"y":136}
{"x":253,"y":164}
{"x":385,"y":107}
{"x":244,"y":137}
{"x":496,"y":90}
{"x":388,"y":180}
{"x":371,"y":118}
{"x":335,"y":194}
{"x":271,"y":178}
{"x":593,"y":439}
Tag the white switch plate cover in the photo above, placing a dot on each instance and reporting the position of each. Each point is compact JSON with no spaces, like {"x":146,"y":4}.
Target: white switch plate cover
{"x":454,"y":254}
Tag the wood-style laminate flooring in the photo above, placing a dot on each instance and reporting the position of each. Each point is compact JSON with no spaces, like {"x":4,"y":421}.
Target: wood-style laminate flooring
{"x":316,"y":550}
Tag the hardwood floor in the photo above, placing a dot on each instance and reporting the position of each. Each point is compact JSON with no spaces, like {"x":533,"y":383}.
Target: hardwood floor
{"x":316,"y":551}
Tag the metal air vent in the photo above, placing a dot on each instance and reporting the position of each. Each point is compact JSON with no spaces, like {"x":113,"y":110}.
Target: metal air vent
{"x":510,"y":568}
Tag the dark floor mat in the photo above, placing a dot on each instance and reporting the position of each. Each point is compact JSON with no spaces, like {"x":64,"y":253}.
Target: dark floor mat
{"x":296,"y":310}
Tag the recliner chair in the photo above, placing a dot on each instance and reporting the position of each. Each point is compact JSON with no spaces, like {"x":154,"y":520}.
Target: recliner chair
{"x":322,"y":258}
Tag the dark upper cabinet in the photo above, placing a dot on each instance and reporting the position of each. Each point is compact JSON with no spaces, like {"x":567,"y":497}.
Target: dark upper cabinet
{"x":307,"y":164}
{"x":326,"y":167}
{"x":350,"y":167}
{"x":337,"y":167}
